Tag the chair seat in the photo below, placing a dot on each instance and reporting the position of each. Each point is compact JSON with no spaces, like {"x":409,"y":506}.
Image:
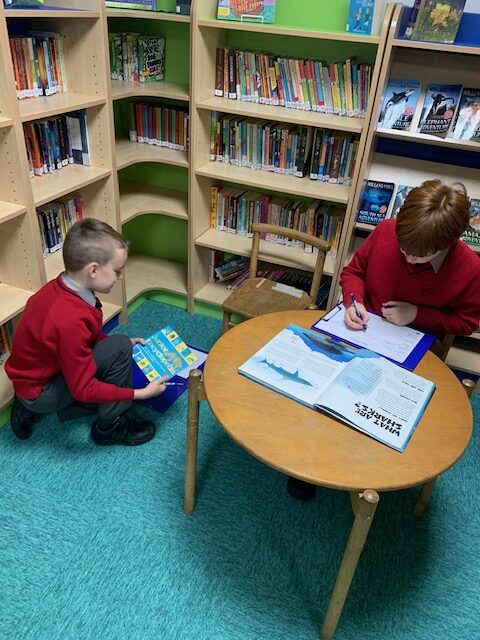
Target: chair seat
{"x":257,"y":297}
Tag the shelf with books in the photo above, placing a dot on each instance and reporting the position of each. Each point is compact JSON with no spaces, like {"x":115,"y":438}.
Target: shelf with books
{"x":138,"y":198}
{"x":147,"y":273}
{"x":128,"y":153}
{"x":281,"y":114}
{"x":161,"y":89}
{"x":45,"y":107}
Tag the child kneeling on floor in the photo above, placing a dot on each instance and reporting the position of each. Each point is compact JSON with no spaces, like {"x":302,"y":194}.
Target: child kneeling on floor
{"x":61,"y":360}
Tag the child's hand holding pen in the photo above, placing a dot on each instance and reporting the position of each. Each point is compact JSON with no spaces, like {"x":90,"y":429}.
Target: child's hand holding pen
{"x":356,"y":316}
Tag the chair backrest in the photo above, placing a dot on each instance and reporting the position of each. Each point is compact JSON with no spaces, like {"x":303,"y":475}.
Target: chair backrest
{"x":291,"y":234}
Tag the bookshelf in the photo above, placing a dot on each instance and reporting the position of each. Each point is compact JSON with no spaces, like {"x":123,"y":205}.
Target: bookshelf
{"x":409,"y":157}
{"x":23,"y":269}
{"x":296,"y":33}
{"x":152,"y":180}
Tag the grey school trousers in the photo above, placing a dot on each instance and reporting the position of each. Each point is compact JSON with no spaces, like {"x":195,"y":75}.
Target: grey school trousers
{"x":113,"y":357}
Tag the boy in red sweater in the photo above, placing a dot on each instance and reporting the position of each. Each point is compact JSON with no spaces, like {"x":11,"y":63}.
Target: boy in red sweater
{"x":415,"y":270}
{"x":61,"y":360}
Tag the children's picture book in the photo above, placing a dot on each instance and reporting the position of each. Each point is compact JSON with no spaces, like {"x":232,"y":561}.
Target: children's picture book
{"x":151,"y":58}
{"x":247,"y":10}
{"x":163,"y":354}
{"x":439,"y":107}
{"x":356,"y":386}
{"x":438,"y":20}
{"x":374,"y":202}
{"x":402,"y":192}
{"x":399,"y":104}
{"x":402,"y":345}
{"x":360,"y":16}
{"x":472,"y":233}
{"x":467,"y":122}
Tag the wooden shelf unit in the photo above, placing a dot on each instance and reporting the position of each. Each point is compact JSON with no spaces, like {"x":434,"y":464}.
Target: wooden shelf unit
{"x":405,"y":59}
{"x":208,"y":33}
{"x":85,"y":56}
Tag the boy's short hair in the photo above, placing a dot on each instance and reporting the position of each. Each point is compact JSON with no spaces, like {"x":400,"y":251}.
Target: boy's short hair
{"x":90,"y":240}
{"x":433,"y":216}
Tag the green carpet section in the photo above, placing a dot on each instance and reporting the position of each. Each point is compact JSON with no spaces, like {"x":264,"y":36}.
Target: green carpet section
{"x":94,"y":543}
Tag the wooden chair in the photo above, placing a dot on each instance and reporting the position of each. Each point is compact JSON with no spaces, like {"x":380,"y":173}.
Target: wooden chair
{"x":441,"y":347}
{"x":257,"y":295}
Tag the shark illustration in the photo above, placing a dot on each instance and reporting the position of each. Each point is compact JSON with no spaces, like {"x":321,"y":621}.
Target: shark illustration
{"x":286,"y":375}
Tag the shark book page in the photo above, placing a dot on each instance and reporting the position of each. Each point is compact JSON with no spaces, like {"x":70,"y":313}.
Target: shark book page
{"x":298,"y":363}
{"x":378,"y":398}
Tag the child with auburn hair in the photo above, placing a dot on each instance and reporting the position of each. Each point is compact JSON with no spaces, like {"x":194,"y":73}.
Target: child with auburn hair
{"x":415,"y":270}
{"x":61,"y":360}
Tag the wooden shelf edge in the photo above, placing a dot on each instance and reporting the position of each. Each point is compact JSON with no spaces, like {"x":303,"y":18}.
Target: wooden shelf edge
{"x":283,"y":114}
{"x":147,"y":273}
{"x":437,"y":46}
{"x":129,"y":153}
{"x":161,"y":89}
{"x":6,"y":389}
{"x":8,"y":211}
{"x":69,"y":179}
{"x":423,"y":138}
{"x":284,"y":30}
{"x":149,"y":199}
{"x":51,"y":13}
{"x":45,"y":107}
{"x":148,"y":15}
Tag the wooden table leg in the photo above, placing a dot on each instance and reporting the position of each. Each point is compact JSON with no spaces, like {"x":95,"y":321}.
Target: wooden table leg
{"x":364,"y":506}
{"x":195,"y":394}
{"x":423,"y":497}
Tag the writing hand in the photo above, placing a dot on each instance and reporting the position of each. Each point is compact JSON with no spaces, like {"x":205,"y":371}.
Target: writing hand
{"x":352,"y":320}
{"x":399,"y":313}
{"x":152,"y":389}
{"x":135,"y":341}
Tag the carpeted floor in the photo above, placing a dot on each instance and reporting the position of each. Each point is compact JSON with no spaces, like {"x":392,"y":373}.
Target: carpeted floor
{"x":94,"y":543}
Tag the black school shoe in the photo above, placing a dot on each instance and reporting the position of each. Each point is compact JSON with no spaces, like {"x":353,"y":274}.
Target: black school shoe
{"x":300,"y":490}
{"x":22,"y":420}
{"x":123,"y":430}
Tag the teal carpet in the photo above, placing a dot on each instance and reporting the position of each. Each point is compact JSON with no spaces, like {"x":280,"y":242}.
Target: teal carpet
{"x":94,"y":543}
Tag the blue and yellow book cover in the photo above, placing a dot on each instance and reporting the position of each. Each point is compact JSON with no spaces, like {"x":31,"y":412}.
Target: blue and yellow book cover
{"x":163,"y":354}
{"x":247,"y":10}
{"x":360,"y":16}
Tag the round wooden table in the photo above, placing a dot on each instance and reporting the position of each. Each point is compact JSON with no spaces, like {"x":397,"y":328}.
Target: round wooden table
{"x":314,"y":447}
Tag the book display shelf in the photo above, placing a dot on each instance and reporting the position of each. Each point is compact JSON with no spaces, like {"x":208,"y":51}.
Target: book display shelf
{"x":408,"y":157}
{"x":153,"y":180}
{"x":23,"y":269}
{"x":295,"y":33}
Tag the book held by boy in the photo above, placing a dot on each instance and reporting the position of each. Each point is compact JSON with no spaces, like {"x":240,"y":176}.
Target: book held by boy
{"x":399,"y":104}
{"x":356,"y":386}
{"x":163,"y":354}
{"x":402,"y":345}
{"x":374,"y":202}
{"x":439,"y":108}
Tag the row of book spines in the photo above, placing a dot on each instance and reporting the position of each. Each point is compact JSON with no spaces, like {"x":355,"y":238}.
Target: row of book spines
{"x":55,"y":219}
{"x":234,"y":211}
{"x":235,"y":270}
{"x":158,"y":125}
{"x":270,"y":146}
{"x":136,"y":58}
{"x":339,"y":88}
{"x":6,"y":338}
{"x":53,"y":144}
{"x":38,"y":65}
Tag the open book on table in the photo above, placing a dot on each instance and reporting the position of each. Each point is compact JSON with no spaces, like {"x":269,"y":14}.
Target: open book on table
{"x":357,"y":386}
{"x":403,"y":345}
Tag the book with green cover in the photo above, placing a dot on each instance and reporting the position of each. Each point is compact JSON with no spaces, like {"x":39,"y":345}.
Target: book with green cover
{"x":438,"y":20}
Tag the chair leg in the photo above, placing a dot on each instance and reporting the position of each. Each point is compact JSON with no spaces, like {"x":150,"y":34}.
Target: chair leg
{"x":423,"y":497}
{"x":226,"y":321}
{"x":194,"y":396}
